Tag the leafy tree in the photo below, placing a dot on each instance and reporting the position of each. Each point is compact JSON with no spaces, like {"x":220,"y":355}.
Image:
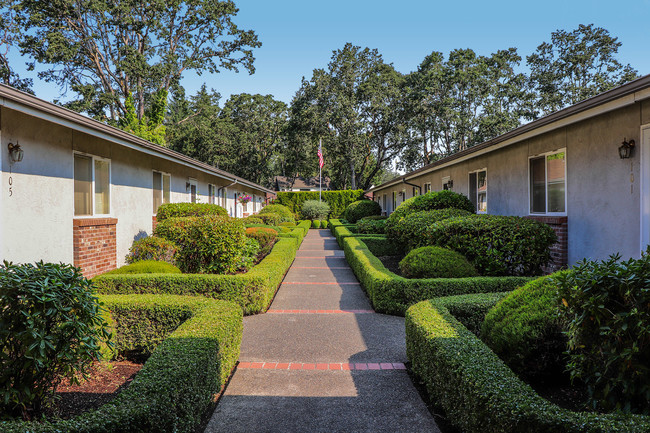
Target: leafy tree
{"x":10,"y":33}
{"x":575,"y":66}
{"x":150,"y":127}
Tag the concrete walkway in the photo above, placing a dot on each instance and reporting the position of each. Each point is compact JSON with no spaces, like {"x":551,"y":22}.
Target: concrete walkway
{"x":321,"y":360}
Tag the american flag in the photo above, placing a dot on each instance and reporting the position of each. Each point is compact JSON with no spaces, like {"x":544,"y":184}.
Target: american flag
{"x":321,"y":162}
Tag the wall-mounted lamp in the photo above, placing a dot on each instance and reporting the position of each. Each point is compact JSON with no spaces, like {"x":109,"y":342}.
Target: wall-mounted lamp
{"x":450,"y":184}
{"x":15,"y":152}
{"x":625,"y":150}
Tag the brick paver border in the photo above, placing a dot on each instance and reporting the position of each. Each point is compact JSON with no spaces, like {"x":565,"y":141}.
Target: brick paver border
{"x":330,"y":366}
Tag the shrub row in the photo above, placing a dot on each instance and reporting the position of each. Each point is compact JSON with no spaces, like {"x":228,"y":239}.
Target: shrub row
{"x":476,"y":389}
{"x":178,"y":210}
{"x":408,"y":230}
{"x":178,"y":382}
{"x":392,"y":294}
{"x":337,"y":200}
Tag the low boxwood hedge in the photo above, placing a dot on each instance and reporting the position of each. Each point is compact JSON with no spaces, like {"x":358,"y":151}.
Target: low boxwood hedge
{"x":391,"y":294}
{"x":179,"y":381}
{"x":176,"y":210}
{"x":253,"y":291}
{"x":476,"y":389}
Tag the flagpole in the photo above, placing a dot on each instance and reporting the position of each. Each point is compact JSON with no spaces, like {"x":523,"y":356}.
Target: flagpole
{"x":320,"y":169}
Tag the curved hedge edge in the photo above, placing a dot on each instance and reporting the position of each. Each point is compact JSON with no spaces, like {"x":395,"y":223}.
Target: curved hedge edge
{"x":177,"y":383}
{"x":477,"y":390}
{"x":391,"y":294}
{"x":253,"y":291}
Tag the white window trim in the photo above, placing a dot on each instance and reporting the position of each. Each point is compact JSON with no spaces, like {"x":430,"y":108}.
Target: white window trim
{"x":212,"y":197}
{"x":92,"y":186}
{"x":163,"y":173}
{"x":486,"y":190}
{"x":566,"y":187}
{"x":445,"y":180}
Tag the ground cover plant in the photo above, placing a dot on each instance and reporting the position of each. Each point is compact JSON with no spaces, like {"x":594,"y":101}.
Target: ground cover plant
{"x":436,"y":262}
{"x":361,"y":208}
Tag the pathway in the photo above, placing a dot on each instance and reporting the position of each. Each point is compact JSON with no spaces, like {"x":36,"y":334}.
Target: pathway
{"x":321,"y":360}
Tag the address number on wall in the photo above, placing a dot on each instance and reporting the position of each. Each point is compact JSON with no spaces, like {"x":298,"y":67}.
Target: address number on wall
{"x":11,"y":182}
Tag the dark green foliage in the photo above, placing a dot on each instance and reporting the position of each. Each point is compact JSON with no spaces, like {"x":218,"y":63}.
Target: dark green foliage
{"x":152,"y":248}
{"x":525,"y":329}
{"x":608,"y":313}
{"x":264,"y":236}
{"x":314,"y":210}
{"x":278,"y":209}
{"x":476,"y":390}
{"x":176,"y":210}
{"x":199,"y":347}
{"x":372,"y":225}
{"x":146,"y":267}
{"x":315,"y":224}
{"x":495,"y":245}
{"x":209,"y":244}
{"x":379,"y":245}
{"x":435,"y":262}
{"x":431,"y":201}
{"x":337,"y":200}
{"x":392,"y":294}
{"x":51,"y":327}
{"x":361,"y":208}
{"x":408,"y":230}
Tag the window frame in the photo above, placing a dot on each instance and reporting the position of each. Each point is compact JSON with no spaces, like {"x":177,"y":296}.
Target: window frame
{"x":162,"y":189}
{"x":192,"y":181}
{"x":444,"y":183}
{"x":469,"y":188}
{"x":212,"y":193}
{"x":94,"y":158}
{"x":427,"y":187}
{"x":545,"y":155}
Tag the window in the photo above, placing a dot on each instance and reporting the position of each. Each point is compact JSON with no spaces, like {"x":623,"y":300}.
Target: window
{"x":478,"y":190}
{"x":384,"y":204}
{"x":446,"y":183}
{"x":427,"y":187}
{"x":547,"y":183}
{"x":416,"y":191}
{"x":212,"y":194}
{"x":92,"y":186}
{"x":161,"y":189}
{"x":394,"y":206}
{"x":192,"y":189}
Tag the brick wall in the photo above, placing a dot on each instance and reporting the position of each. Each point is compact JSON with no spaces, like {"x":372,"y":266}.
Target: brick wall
{"x":559,"y":249}
{"x":95,"y":245}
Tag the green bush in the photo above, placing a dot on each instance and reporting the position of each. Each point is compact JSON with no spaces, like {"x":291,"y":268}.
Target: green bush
{"x":337,"y":200}
{"x":51,"y":327}
{"x":379,"y":245}
{"x":526,"y":331}
{"x":178,"y":210}
{"x":476,"y":390}
{"x":409,"y":230}
{"x":431,"y":201}
{"x":209,"y":244}
{"x":324,"y":224}
{"x":372,"y":225}
{"x":248,"y":255}
{"x":435,"y":262}
{"x":289,"y":224}
{"x":152,"y":248}
{"x":495,"y":245}
{"x":146,"y":267}
{"x":272,"y":219}
{"x":253,"y":220}
{"x":607,"y":306}
{"x":266,"y":237}
{"x":284,"y":212}
{"x":315,"y":224}
{"x":315,"y":210}
{"x":361,"y":208}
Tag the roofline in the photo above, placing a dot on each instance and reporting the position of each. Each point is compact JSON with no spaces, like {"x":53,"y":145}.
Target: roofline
{"x":39,"y":108}
{"x":618,"y":97}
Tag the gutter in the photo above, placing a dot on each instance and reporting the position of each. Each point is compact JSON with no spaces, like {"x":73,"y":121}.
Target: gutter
{"x":412,"y":184}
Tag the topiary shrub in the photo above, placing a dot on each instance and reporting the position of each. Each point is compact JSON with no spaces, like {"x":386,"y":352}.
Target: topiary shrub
{"x":324,"y":224}
{"x":278,"y":209}
{"x":315,"y":224}
{"x":288,"y":224}
{"x":408,"y":231}
{"x":272,"y":219}
{"x":266,"y":237}
{"x":146,"y":267}
{"x":362,"y":208}
{"x":253,"y":220}
{"x":315,"y":210}
{"x":51,"y":327}
{"x":607,"y":306}
{"x":374,"y":224}
{"x":177,"y":210}
{"x":337,"y":200}
{"x":209,"y":244}
{"x":431,"y":201}
{"x":526,"y":330}
{"x":152,"y":248}
{"x":495,"y":245}
{"x":435,"y":262}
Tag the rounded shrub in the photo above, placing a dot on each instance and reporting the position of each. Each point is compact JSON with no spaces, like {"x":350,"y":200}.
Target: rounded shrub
{"x":495,"y":245}
{"x":324,"y":224}
{"x":51,"y":328}
{"x":146,"y":267}
{"x":272,"y":219}
{"x":408,"y":231}
{"x":361,"y":208}
{"x":374,"y":224}
{"x":525,"y":329}
{"x":253,"y":220}
{"x":315,"y":224}
{"x":435,"y":262}
{"x":315,"y":210}
{"x":177,"y":210}
{"x":278,"y":209}
{"x":288,"y":224}
{"x":207,"y":244}
{"x":152,"y":248}
{"x":264,"y":236}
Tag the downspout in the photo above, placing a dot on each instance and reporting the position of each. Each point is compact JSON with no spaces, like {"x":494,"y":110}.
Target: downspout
{"x":412,"y":184}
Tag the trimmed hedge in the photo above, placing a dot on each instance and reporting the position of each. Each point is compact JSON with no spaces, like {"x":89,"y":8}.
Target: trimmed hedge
{"x":372,"y":225}
{"x":177,"y":384}
{"x":146,"y":267}
{"x":408,"y":230}
{"x":392,"y":294}
{"x":361,"y":208}
{"x":178,"y":210}
{"x":285,"y":213}
{"x":152,"y":248}
{"x":476,"y":389}
{"x":379,"y":245}
{"x":431,"y":201}
{"x":253,"y":291}
{"x":338,"y":200}
{"x":436,"y":262}
{"x":315,"y":224}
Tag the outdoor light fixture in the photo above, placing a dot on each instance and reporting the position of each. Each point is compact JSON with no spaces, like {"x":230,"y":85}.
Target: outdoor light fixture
{"x":625,"y":151}
{"x":450,"y":184}
{"x":15,"y":152}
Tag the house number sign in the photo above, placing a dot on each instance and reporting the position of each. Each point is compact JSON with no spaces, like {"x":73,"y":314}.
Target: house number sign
{"x":11,"y":182}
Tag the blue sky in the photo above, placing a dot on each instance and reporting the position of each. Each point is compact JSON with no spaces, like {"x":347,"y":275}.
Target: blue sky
{"x":299,"y":36}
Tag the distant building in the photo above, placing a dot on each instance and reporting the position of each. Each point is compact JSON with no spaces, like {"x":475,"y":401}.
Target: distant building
{"x":283,"y":183}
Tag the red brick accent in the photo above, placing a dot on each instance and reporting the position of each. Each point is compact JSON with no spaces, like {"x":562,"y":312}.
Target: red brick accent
{"x":94,"y":243}
{"x":154,"y":223}
{"x":559,"y":250}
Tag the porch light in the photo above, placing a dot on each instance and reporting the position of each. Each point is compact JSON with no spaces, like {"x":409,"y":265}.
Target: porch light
{"x":15,"y":152}
{"x":625,"y":150}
